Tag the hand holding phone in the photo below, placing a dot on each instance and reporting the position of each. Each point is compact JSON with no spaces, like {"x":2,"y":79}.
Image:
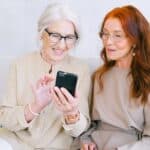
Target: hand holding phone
{"x":66,"y":80}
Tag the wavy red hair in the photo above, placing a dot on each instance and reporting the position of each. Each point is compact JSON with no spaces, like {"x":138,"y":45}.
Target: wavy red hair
{"x":137,"y":28}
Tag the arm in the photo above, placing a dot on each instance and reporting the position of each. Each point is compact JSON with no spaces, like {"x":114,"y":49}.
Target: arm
{"x":83,"y":123}
{"x":11,"y":114}
{"x":42,"y":97}
{"x":86,"y":141}
{"x":75,"y":109}
{"x":15,"y":114}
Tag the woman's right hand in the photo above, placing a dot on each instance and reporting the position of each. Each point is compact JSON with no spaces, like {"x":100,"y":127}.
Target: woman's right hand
{"x":88,"y":146}
{"x":42,"y":91}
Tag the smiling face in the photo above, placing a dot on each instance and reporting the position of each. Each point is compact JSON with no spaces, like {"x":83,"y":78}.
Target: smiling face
{"x":63,"y":31}
{"x":117,"y":45}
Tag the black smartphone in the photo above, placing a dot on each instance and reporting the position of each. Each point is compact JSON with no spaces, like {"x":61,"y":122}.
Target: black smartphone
{"x":67,"y":80}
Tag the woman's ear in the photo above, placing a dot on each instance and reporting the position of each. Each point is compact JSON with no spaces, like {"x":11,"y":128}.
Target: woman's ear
{"x":133,"y":46}
{"x":44,"y":36}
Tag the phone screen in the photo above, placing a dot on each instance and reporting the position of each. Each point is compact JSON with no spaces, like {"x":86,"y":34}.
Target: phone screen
{"x":66,"y":80}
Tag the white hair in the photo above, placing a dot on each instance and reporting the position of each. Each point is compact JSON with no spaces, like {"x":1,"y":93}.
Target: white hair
{"x":57,"y":11}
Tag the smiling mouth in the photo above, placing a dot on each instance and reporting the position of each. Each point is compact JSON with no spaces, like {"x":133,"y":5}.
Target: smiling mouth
{"x":58,"y":52}
{"x":110,"y":50}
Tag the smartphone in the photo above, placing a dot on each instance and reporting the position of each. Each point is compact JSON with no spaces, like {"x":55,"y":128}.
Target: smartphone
{"x":67,"y":80}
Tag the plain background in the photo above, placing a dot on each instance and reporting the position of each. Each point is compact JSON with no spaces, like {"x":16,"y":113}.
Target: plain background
{"x":18,"y":27}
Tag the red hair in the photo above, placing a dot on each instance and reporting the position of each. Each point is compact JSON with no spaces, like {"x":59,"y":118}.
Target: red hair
{"x":137,"y":28}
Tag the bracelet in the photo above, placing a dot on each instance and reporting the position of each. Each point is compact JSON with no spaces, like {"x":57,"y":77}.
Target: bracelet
{"x":72,"y":118}
{"x":34,"y":113}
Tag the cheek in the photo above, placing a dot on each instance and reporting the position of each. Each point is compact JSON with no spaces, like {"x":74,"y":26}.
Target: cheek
{"x":46,"y":43}
{"x":123,"y":46}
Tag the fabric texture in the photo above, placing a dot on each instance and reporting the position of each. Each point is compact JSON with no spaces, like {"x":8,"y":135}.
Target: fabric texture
{"x":124,"y":124}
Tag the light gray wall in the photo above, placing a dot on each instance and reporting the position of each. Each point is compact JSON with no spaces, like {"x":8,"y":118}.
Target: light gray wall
{"x":19,"y":18}
{"x":18,"y":27}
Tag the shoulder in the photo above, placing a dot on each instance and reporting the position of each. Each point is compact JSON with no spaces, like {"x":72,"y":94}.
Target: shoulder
{"x":27,"y":58}
{"x":78,"y":63}
{"x":78,"y":66}
{"x":32,"y":56}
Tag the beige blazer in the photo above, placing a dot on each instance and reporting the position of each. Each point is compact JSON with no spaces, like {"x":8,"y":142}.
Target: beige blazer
{"x":48,"y":130}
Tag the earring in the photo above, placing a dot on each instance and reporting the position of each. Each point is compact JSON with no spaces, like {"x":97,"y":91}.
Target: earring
{"x":133,"y":54}
{"x":133,"y":47}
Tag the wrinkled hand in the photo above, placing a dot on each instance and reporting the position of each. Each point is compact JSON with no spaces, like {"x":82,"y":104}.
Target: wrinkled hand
{"x":64,"y":101}
{"x":88,"y":146}
{"x":42,"y":91}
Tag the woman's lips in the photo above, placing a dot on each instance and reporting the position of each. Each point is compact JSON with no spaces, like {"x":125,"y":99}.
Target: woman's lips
{"x":58,"y":52}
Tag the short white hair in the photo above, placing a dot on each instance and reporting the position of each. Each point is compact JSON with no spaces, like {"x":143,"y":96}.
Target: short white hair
{"x":57,"y":11}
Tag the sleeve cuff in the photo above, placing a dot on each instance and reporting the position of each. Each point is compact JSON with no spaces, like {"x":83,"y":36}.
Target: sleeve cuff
{"x":21,"y":117}
{"x":77,"y":128}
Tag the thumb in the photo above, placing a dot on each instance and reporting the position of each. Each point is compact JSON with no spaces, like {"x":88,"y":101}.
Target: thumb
{"x":76,"y":94}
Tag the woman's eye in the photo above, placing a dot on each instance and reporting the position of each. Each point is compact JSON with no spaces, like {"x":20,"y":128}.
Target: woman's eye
{"x":55,"y":35}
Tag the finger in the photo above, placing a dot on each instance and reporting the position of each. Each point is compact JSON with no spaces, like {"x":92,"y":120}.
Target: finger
{"x":55,"y":97}
{"x":39,"y":83}
{"x":43,"y":80}
{"x":67,"y":94}
{"x":63,"y":105}
{"x":48,"y":78}
{"x":76,"y":94}
{"x":61,"y":96}
{"x":92,"y":146}
{"x":73,"y":101}
{"x":85,"y":147}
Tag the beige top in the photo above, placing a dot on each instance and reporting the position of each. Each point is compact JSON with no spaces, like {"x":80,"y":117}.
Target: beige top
{"x":47,"y":130}
{"x":113,"y":106}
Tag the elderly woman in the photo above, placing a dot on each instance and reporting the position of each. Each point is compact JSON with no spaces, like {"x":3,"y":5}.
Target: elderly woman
{"x":35,"y":114}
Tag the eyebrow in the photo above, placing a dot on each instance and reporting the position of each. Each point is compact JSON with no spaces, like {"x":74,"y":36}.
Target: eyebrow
{"x":61,"y":34}
{"x":115,"y":31}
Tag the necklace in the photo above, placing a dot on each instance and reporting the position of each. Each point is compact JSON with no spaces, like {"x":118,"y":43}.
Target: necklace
{"x":51,"y":69}
{"x":45,"y":59}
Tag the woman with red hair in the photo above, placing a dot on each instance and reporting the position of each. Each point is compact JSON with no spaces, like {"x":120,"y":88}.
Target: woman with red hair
{"x":121,"y":91}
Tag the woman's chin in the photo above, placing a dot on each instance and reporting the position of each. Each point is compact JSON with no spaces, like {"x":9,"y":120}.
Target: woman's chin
{"x":111,"y":58}
{"x":58,"y":58}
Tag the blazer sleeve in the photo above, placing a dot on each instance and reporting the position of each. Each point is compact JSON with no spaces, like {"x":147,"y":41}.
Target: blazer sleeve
{"x":11,"y":114}
{"x":144,"y":143}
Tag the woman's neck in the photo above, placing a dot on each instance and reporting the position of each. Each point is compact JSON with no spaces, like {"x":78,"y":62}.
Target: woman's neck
{"x":124,"y":63}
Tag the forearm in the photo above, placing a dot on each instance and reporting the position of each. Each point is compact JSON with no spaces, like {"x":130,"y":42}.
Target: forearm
{"x":72,"y":118}
{"x":31,"y":111}
{"x":75,"y":129}
{"x":12,"y":118}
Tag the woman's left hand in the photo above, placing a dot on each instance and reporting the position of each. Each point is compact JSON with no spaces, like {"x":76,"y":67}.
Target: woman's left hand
{"x":64,"y":101}
{"x":88,"y":146}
